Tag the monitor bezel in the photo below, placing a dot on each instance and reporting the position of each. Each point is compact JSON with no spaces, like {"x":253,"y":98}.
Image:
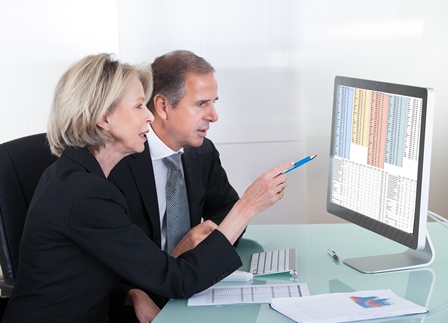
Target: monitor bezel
{"x":416,"y":239}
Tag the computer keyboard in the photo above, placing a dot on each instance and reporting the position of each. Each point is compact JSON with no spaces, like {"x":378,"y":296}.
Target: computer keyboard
{"x":272,"y":262}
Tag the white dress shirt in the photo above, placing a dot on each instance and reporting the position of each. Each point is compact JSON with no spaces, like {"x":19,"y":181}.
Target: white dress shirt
{"x":159,"y":151}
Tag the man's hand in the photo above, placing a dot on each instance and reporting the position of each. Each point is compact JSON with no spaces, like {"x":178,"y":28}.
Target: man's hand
{"x":145,"y":309}
{"x":194,"y":237}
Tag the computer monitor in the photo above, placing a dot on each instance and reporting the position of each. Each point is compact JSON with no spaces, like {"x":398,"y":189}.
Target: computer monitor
{"x":380,"y":158}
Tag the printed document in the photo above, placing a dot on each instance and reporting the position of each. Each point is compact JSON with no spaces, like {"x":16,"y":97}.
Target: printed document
{"x":247,"y":294}
{"x":345,"y":307}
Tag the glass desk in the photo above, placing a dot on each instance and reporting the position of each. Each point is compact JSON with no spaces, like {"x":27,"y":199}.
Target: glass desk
{"x":427,"y":286}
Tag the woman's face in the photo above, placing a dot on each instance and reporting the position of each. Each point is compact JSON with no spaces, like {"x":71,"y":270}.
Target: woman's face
{"x":128,"y":121}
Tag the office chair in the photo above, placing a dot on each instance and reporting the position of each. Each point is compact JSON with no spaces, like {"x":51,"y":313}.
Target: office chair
{"x":22,"y":162}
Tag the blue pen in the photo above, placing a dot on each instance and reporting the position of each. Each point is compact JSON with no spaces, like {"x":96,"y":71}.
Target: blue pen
{"x":298,"y":164}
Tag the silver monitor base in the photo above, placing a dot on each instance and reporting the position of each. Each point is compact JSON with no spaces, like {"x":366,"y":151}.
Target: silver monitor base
{"x":409,"y":259}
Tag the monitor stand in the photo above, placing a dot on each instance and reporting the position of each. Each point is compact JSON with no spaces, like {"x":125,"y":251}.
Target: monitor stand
{"x":409,"y":259}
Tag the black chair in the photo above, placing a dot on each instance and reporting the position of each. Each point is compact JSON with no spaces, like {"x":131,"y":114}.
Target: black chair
{"x":22,"y":162}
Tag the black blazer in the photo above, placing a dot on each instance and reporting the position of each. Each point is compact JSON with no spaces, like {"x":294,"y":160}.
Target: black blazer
{"x":78,"y":242}
{"x":210,"y":195}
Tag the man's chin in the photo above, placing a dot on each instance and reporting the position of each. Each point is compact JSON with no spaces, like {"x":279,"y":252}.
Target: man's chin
{"x":197,"y":143}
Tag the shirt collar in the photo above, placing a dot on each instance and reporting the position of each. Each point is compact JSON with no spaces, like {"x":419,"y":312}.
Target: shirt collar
{"x":157,"y":147}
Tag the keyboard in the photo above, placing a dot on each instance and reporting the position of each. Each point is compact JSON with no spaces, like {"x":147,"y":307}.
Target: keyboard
{"x":273,"y":262}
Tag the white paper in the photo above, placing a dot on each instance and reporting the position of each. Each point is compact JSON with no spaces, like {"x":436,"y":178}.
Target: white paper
{"x":345,"y":307}
{"x":238,"y":276}
{"x":247,"y":294}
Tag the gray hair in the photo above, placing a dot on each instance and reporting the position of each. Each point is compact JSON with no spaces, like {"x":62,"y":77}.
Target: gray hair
{"x":170,"y":73}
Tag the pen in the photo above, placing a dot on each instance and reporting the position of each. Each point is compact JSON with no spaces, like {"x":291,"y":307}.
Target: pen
{"x":299,"y":163}
{"x":333,"y":254}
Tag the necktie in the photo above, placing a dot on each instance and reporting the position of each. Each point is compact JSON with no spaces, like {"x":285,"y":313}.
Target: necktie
{"x":177,"y":215}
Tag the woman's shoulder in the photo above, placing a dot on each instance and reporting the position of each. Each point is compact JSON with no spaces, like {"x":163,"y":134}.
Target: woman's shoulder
{"x":75,"y":173}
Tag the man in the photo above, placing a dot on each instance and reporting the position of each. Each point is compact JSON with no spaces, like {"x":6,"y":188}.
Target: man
{"x":185,"y":90}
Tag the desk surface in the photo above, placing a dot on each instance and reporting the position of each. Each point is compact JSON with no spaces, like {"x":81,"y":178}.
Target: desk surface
{"x":426,"y":286}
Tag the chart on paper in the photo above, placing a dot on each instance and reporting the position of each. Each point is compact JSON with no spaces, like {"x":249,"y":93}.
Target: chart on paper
{"x":247,"y":294}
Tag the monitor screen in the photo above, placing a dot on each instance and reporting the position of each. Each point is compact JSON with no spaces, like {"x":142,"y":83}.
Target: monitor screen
{"x":380,"y":157}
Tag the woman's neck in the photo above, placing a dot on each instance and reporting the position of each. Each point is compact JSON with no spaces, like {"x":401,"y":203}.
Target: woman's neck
{"x":107,"y":157}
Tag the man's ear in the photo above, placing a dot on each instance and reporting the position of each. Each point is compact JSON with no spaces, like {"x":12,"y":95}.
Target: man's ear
{"x":161,"y":105}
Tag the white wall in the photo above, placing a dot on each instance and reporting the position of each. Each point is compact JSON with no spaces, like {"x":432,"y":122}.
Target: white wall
{"x":38,"y":41}
{"x":275,"y":62}
{"x":395,"y":41}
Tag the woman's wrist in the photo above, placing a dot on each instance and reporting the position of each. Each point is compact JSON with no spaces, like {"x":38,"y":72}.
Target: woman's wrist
{"x":131,"y":296}
{"x":236,"y":221}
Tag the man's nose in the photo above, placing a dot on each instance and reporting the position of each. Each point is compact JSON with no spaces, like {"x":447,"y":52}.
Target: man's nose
{"x":213,"y":115}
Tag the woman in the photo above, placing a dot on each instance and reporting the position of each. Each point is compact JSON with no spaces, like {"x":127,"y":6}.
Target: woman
{"x":78,"y":239}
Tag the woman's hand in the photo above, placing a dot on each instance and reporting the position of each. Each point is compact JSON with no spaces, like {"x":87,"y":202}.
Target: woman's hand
{"x":193,"y":237}
{"x":264,"y":192}
{"x":145,"y":309}
{"x":267,"y":189}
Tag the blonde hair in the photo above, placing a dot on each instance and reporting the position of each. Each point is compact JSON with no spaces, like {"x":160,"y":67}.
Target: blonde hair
{"x":85,"y":93}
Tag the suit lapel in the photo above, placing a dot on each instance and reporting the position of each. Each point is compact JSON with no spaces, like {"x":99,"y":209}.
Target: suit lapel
{"x":143,"y":173}
{"x":192,"y":175}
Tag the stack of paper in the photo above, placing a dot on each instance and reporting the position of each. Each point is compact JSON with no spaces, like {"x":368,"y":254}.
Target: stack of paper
{"x":345,"y":307}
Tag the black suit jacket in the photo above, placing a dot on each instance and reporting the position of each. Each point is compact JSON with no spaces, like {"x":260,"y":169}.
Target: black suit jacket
{"x":210,"y":195}
{"x":78,"y":242}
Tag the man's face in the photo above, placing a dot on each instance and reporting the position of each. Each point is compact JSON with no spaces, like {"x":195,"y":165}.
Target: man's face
{"x":188,"y":122}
